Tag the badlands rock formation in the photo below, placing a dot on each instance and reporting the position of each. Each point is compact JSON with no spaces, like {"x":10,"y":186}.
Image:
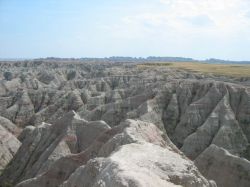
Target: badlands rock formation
{"x":73,"y":123}
{"x":9,"y":144}
{"x":131,"y":154}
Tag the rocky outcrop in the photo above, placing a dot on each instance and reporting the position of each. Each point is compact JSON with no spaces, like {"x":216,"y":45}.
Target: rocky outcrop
{"x":43,"y":145}
{"x":9,"y":126}
{"x":195,"y":111}
{"x":8,"y":146}
{"x":226,"y":169}
{"x":131,"y":154}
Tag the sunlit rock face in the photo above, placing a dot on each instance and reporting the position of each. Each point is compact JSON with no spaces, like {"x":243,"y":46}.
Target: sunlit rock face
{"x":133,"y":153}
{"x":9,"y":145}
{"x":117,"y":124}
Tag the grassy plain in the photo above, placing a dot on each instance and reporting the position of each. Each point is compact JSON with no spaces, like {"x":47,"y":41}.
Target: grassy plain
{"x":232,"y":70}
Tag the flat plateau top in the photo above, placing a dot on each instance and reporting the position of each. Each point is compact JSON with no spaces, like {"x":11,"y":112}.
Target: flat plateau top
{"x":232,"y":70}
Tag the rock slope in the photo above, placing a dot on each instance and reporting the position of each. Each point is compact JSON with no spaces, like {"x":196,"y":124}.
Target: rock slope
{"x":225,"y":168}
{"x":206,"y":117}
{"x":9,"y":145}
{"x":131,"y":154}
{"x":44,"y":144}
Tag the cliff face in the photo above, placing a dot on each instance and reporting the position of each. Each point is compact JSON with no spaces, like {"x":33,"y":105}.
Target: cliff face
{"x":76,"y":132}
{"x":9,"y":144}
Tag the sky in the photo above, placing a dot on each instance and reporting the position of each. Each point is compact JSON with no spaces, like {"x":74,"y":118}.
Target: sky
{"x":200,"y":29}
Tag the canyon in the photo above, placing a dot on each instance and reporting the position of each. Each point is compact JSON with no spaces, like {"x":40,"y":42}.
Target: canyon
{"x":69,"y":123}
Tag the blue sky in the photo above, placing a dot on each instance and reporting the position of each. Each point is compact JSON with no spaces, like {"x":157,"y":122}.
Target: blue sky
{"x":77,"y":28}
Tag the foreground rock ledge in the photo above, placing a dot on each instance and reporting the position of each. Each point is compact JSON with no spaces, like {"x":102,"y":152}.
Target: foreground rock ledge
{"x":133,"y":154}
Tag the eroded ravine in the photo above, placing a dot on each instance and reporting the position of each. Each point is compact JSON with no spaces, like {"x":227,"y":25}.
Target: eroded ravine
{"x":205,"y":117}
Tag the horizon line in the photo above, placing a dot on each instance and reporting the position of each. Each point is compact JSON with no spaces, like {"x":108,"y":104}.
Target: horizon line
{"x":131,"y":57}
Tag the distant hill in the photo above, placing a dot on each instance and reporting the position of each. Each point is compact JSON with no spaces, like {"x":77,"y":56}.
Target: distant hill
{"x":121,"y":59}
{"x":170,"y":59}
{"x":219,"y":61}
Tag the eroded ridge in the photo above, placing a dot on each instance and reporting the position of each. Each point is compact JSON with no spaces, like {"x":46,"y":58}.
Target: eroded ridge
{"x":62,"y":120}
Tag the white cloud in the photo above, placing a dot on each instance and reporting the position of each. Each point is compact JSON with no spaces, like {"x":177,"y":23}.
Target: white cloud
{"x":194,"y":16}
{"x":194,"y":28}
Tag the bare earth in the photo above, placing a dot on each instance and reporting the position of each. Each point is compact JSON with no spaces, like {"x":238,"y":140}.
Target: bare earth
{"x":71,"y":123}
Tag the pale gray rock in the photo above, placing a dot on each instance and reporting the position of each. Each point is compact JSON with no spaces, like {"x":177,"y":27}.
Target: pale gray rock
{"x":196,"y":113}
{"x":193,"y":110}
{"x":45,"y":77}
{"x":62,"y":149}
{"x":221,"y":128}
{"x":8,"y":125}
{"x":87,"y":132}
{"x":227,"y":170}
{"x":138,"y":165}
{"x":135,"y":155}
{"x":8,"y":146}
{"x":46,"y":143}
{"x":26,"y":133}
{"x":171,"y":115}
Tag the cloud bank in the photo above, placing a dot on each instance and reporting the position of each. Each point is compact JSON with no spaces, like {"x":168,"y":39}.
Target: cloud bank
{"x":217,"y":17}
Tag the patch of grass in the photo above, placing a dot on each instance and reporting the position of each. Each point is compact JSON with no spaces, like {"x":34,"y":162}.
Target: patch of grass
{"x":231,"y":70}
{"x":217,"y":69}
